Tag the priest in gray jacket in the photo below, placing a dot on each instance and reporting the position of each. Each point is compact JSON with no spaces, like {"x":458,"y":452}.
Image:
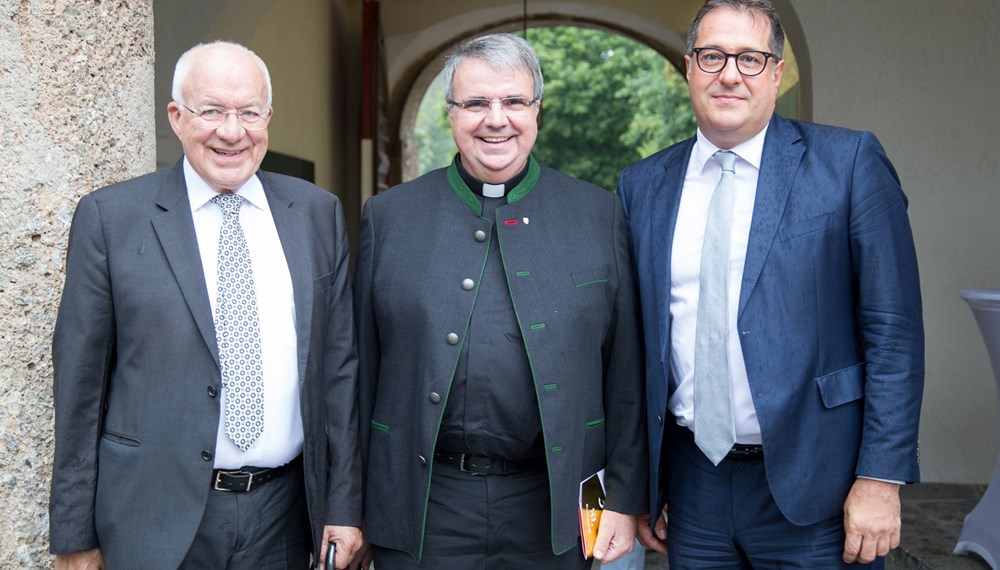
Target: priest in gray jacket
{"x":500,"y":352}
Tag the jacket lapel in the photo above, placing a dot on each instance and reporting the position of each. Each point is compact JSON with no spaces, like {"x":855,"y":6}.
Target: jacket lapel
{"x":174,"y":227}
{"x":291,"y":225}
{"x":779,"y":163}
{"x":667,"y":198}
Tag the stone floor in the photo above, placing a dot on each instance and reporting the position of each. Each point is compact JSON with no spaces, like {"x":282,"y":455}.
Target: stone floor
{"x":932,"y":520}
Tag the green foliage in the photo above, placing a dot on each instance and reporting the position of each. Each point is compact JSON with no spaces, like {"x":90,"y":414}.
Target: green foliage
{"x":609,"y":101}
{"x":432,"y":132}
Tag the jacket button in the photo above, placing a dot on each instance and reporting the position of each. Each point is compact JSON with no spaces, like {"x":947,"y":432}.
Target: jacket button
{"x":659,"y":419}
{"x":452,"y":338}
{"x":212,"y":392}
{"x":422,"y":459}
{"x":480,"y":235}
{"x":468,"y":284}
{"x":206,"y":455}
{"x":435,"y":397}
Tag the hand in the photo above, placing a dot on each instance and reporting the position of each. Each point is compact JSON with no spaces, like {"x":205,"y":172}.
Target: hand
{"x":657,"y":538}
{"x":85,"y":560}
{"x":615,"y":536}
{"x":349,"y":542}
{"x":871,"y":520}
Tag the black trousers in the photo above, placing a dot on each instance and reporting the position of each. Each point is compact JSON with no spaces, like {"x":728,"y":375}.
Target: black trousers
{"x":486,"y":522}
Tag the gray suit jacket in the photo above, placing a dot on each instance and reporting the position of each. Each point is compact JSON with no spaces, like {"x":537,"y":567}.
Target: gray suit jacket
{"x":136,"y":369}
{"x":565,"y":252}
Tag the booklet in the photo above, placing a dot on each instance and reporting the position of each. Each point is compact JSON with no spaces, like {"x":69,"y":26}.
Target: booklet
{"x":591,"y":507}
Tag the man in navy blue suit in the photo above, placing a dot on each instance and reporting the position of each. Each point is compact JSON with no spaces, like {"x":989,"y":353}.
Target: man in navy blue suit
{"x":819,"y":337}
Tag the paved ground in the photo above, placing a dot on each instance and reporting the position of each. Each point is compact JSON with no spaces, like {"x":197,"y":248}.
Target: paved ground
{"x":932,"y":520}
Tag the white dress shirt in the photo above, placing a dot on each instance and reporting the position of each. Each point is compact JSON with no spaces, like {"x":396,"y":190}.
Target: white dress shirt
{"x":702,"y":176}
{"x":283,"y":436}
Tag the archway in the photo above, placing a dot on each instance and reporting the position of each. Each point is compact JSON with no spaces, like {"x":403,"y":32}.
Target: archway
{"x":415,"y":69}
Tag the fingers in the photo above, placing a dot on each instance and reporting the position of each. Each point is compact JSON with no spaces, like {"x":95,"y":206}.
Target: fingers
{"x":655,"y":539}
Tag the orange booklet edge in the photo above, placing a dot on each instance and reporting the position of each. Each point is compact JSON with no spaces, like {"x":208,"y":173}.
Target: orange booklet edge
{"x":591,"y":506}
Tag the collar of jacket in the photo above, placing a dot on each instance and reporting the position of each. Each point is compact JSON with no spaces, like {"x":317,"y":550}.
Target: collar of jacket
{"x":469,"y":198}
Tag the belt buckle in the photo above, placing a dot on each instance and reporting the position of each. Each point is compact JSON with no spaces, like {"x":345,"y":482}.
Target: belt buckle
{"x":218,"y":481}
{"x":461,"y":465}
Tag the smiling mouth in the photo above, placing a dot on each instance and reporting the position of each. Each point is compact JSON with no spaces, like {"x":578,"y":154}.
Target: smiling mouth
{"x":227,"y":153}
{"x":495,"y":139}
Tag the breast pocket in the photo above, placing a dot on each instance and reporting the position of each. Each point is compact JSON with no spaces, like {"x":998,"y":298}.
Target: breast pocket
{"x":808,"y":226}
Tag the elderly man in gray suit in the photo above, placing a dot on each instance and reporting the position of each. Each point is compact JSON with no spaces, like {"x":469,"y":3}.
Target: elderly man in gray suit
{"x":499,"y":344}
{"x":205,"y":365}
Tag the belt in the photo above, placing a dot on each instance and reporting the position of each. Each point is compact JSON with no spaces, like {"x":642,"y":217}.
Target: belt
{"x":478,"y":465}
{"x":739,"y":451}
{"x":245,"y":479}
{"x":744,"y":452}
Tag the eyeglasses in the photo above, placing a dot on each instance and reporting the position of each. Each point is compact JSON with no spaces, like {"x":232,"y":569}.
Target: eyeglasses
{"x":480,"y":106}
{"x":749,"y":63}
{"x":214,"y":117}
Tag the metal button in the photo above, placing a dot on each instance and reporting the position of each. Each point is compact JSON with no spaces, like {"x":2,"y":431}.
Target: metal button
{"x":452,"y":338}
{"x":480,"y":235}
{"x":206,"y":455}
{"x":435,"y":397}
{"x":212,"y":392}
{"x":468,"y":284}
{"x":659,"y":419}
{"x":422,"y":459}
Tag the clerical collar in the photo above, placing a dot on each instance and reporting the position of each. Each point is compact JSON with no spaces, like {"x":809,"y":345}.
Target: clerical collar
{"x":486,"y":189}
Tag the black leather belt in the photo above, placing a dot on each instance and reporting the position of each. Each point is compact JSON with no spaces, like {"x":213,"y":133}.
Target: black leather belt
{"x":739,"y":452}
{"x":478,"y":465}
{"x":248,"y":478}
{"x":744,"y":452}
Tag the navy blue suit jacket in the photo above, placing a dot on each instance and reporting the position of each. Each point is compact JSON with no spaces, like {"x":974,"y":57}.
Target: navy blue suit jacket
{"x":829,"y":313}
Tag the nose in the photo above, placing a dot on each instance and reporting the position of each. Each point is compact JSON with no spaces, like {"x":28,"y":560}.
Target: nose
{"x":730,"y":72}
{"x":231,"y":128}
{"x":496,"y":116}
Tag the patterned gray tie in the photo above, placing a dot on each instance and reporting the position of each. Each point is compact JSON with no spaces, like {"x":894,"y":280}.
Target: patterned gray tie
{"x":714,"y":427}
{"x":237,"y":329}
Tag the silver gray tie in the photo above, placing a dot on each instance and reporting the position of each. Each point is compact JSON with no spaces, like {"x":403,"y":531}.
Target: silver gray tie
{"x":714,"y":427}
{"x":237,"y":329}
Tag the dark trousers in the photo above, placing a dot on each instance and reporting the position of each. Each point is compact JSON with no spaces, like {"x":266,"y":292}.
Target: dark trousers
{"x":725,"y":517}
{"x":486,"y":522}
{"x":266,"y":528}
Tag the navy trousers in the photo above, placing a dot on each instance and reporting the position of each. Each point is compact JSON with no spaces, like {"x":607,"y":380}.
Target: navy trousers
{"x":724,"y":517}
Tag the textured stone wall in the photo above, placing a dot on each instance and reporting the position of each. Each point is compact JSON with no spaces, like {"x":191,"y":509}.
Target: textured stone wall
{"x":76,"y":113}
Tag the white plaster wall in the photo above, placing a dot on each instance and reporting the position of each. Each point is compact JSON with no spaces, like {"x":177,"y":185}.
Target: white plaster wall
{"x":924,"y":76}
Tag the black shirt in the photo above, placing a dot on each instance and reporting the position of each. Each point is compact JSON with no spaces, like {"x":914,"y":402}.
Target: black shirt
{"x":492,"y":409}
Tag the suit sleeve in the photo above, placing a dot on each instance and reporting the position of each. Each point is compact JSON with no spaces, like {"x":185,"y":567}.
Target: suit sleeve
{"x":885,"y":266}
{"x":367,"y":328}
{"x":627,"y":473}
{"x":344,"y":480}
{"x":82,"y":356}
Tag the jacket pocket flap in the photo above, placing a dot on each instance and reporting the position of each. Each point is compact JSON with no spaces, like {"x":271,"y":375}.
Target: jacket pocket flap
{"x":842,"y":386}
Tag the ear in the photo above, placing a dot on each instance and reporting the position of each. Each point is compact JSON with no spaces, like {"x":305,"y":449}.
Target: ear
{"x":779,"y":68}
{"x":174,"y":115}
{"x":688,"y":62}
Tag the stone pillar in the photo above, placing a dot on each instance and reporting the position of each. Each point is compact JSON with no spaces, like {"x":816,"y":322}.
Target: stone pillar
{"x":76,"y":113}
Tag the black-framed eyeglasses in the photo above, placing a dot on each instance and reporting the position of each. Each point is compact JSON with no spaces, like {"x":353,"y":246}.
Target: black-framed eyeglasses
{"x":478,"y":106}
{"x":214,"y":117}
{"x":749,"y":63}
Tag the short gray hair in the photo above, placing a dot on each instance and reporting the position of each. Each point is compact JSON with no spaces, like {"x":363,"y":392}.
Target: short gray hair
{"x":183,"y":68}
{"x":757,"y":7}
{"x":501,"y":52}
